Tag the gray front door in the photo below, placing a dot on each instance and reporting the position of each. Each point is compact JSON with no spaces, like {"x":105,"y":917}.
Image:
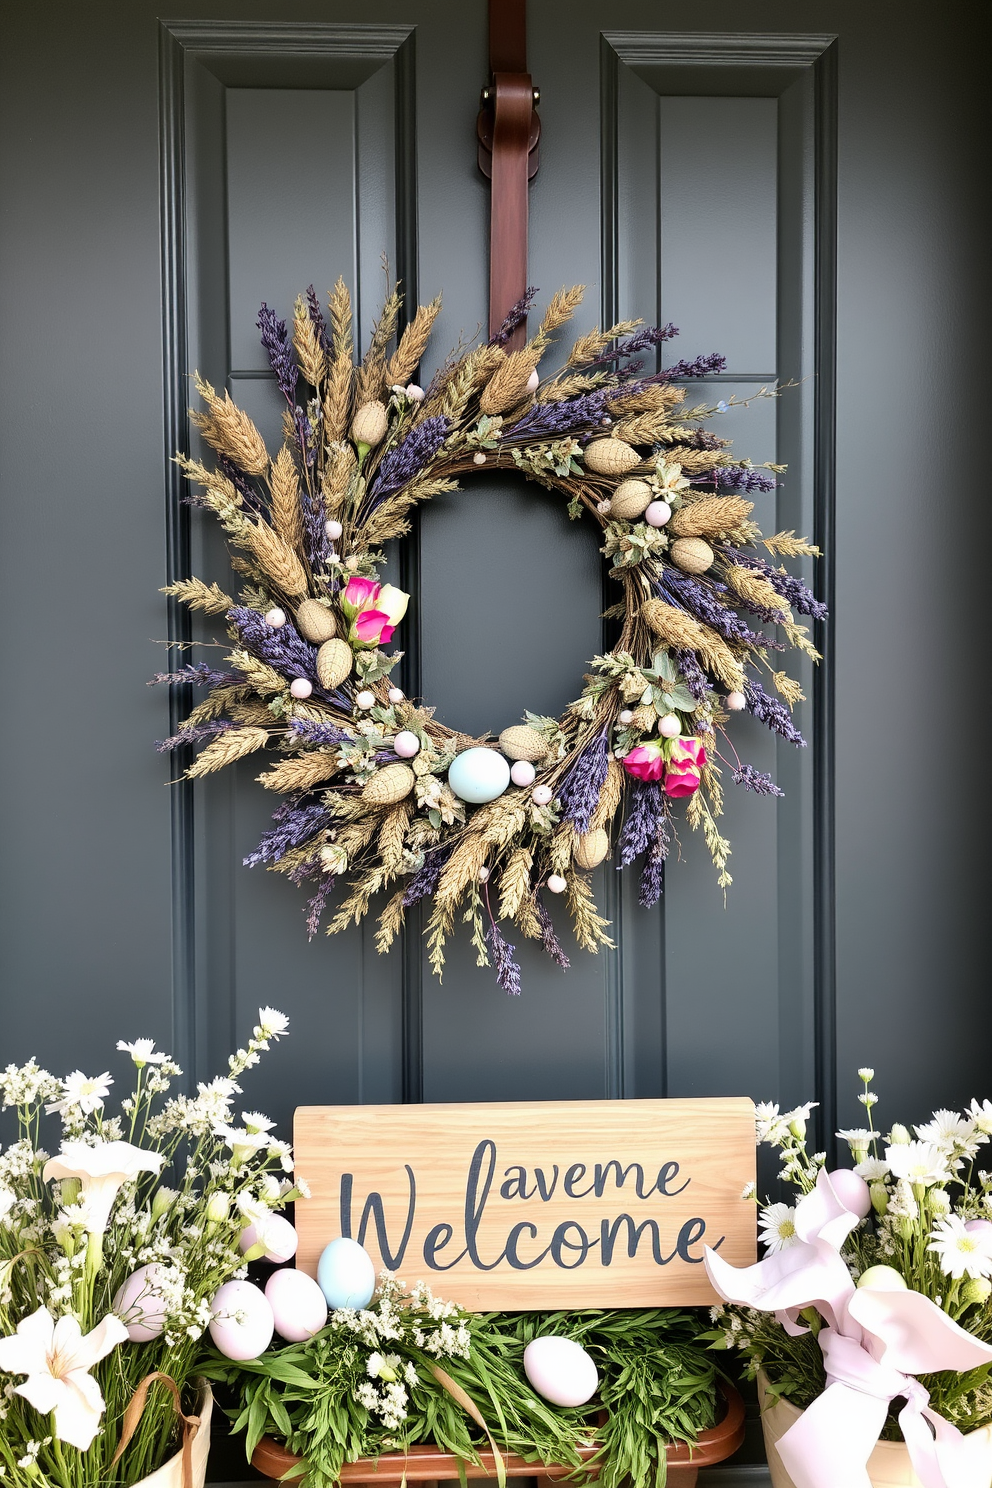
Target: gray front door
{"x":793,"y":188}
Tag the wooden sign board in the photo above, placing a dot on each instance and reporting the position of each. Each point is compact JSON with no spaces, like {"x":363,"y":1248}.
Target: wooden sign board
{"x":513,"y":1206}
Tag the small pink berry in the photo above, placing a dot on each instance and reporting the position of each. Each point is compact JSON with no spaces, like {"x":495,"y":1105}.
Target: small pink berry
{"x":658,"y":513}
{"x":483,"y":874}
{"x":603,"y":507}
{"x":533,"y":381}
{"x":406,"y":744}
{"x":542,"y":795}
{"x":556,"y":883}
{"x":523,"y":773}
{"x":300,"y":687}
{"x":414,"y":393}
{"x":333,"y":529}
{"x":276,"y":618}
{"x":478,"y":458}
{"x":395,"y":695}
{"x":669,"y":726}
{"x":736,"y":702}
{"x":365,"y":700}
{"x":625,"y":716}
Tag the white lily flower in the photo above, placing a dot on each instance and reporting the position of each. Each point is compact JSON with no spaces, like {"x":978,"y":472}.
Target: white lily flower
{"x":57,"y":1358}
{"x":101,"y":1170}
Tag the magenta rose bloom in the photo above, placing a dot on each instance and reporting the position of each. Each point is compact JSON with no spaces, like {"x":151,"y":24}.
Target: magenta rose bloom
{"x":686,"y":758}
{"x":646,"y":761}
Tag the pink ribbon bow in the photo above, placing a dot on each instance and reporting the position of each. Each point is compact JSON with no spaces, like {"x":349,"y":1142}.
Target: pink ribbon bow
{"x":874,"y":1343}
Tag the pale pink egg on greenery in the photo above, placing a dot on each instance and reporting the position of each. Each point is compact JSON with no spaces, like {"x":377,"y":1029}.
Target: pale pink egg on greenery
{"x":625,"y":717}
{"x":333,"y":529}
{"x":396,"y":695}
{"x":561,"y":1370}
{"x":852,"y":1190}
{"x":301,"y":688}
{"x":406,"y":744}
{"x":522,"y":772}
{"x":241,"y":1324}
{"x":299,"y":1308}
{"x":365,"y":700}
{"x":139,"y":1305}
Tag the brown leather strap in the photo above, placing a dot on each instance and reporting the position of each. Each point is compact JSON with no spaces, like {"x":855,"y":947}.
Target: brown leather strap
{"x":507,"y":36}
{"x":508,"y":131}
{"x":136,"y":1409}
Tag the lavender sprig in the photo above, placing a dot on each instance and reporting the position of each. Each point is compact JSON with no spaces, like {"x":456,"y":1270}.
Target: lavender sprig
{"x":757,"y":780}
{"x":507,"y":970}
{"x":772,"y":713}
{"x":700,"y":601}
{"x":742,"y":478}
{"x":643,"y":340}
{"x":703,"y":366}
{"x":276,"y":343}
{"x":284,"y":649}
{"x":514,"y":317}
{"x":194,"y":735}
{"x":318,"y":733}
{"x":692,"y":674}
{"x":644,"y":819}
{"x":581,"y":790}
{"x":315,"y":906}
{"x":199,"y":674}
{"x":652,"y":884}
{"x":549,"y":938}
{"x":793,"y":590}
{"x":559,"y":418}
{"x":294,"y":826}
{"x":410,"y":456}
{"x":426,"y":879}
{"x":317,"y":319}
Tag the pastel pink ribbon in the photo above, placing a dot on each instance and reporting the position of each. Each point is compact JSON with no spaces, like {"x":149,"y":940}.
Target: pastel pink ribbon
{"x":874,"y":1343}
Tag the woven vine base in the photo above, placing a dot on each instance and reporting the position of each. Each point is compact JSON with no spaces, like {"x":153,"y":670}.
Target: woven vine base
{"x":428,"y":1465}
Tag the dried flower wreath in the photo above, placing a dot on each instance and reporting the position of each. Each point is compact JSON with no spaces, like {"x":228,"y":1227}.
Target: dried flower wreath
{"x":375,"y":786}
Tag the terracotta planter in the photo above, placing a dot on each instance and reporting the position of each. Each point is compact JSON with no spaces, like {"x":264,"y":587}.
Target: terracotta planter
{"x":429,"y":1463}
{"x":888,"y":1466}
{"x":170,"y":1474}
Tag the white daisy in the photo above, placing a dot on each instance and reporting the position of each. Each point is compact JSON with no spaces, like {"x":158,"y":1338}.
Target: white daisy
{"x":866,"y":1074}
{"x":981,"y":1115}
{"x":962,"y":1252}
{"x":769,"y":1125}
{"x":85,"y":1093}
{"x":271,"y":1024}
{"x":778,"y":1227}
{"x":919,"y":1163}
{"x":256,"y":1122}
{"x":142,"y":1051}
{"x":948,"y":1129}
{"x":858,"y":1138}
{"x":872,"y":1170}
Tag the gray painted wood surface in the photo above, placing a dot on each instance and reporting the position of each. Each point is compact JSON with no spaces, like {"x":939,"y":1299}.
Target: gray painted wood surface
{"x":796,"y":190}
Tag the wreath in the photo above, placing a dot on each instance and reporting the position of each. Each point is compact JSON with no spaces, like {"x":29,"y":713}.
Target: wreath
{"x":377,"y":789}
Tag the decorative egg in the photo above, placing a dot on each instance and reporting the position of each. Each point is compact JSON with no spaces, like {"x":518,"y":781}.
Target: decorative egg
{"x":139,"y":1305}
{"x":657,"y":513}
{"x":275,"y":617}
{"x":556,"y":883}
{"x":415,"y":393}
{"x":396,"y":695}
{"x":979,"y":1227}
{"x":478,"y":458}
{"x":241,"y":1324}
{"x":483,"y":874}
{"x":370,"y":424}
{"x":852,"y":1190}
{"x":333,"y":529}
{"x":301,"y":688}
{"x":630,"y":499}
{"x":883,"y":1279}
{"x":365,"y":699}
{"x":478,"y":775}
{"x":561,"y":1370}
{"x":406,"y":744}
{"x":333,"y":663}
{"x":389,"y":785}
{"x":610,"y":457}
{"x":669,"y":726}
{"x":591,"y":848}
{"x":625,"y":716}
{"x":692,"y":555}
{"x":299,"y":1307}
{"x":521,"y":742}
{"x":346,"y":1275}
{"x":736,"y":701}
{"x":522,"y":772}
{"x":542,"y":795}
{"x":278,"y":1237}
{"x":315,"y":621}
{"x":533,"y":382}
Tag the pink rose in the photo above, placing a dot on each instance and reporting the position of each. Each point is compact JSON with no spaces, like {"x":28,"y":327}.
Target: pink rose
{"x":686,"y":758}
{"x":646,"y":761}
{"x":374,"y":610}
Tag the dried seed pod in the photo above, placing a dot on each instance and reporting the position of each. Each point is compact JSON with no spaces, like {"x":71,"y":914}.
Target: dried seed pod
{"x":644,"y":718}
{"x":711,"y":517}
{"x":691,"y":554}
{"x":391,"y":784}
{"x":523,"y":743}
{"x":610,"y":457}
{"x":315,"y":621}
{"x":370,"y":424}
{"x":630,"y":499}
{"x":591,"y":848}
{"x":333,"y":663}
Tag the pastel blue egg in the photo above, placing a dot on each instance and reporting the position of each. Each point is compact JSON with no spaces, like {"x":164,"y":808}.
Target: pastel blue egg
{"x":346,"y":1275}
{"x":478,"y":775}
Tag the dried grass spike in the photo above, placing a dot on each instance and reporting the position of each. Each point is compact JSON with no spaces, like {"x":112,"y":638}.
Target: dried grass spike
{"x":299,"y":772}
{"x":714,"y":516}
{"x":413,"y":344}
{"x":277,"y":558}
{"x":284,"y":504}
{"x":232,"y":745}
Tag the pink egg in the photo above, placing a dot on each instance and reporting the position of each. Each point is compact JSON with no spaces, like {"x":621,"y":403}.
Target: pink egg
{"x":139,"y":1305}
{"x":541,"y":795}
{"x":278,"y":1236}
{"x":300,"y":687}
{"x":523,"y":773}
{"x":658,"y":513}
{"x":556,"y":883}
{"x":979,"y":1227}
{"x":275,"y":617}
{"x":241,"y":1323}
{"x":406,"y":744}
{"x":299,"y":1308}
{"x":669,"y":727}
{"x":852,"y":1190}
{"x":736,"y":702}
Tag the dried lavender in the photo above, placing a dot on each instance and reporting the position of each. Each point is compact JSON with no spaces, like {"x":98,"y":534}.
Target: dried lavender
{"x":692,"y":674}
{"x":643,"y":340}
{"x":652,"y":884}
{"x":757,"y":780}
{"x":549,"y":939}
{"x":772,"y":713}
{"x":240,"y":481}
{"x":317,"y":319}
{"x":194,"y":735}
{"x":315,"y":906}
{"x":793,"y":590}
{"x":644,"y":820}
{"x":284,"y":649}
{"x":507,"y":970}
{"x":580,"y":792}
{"x":294,"y":826}
{"x":699,"y":600}
{"x":200,"y":675}
{"x":764,"y":612}
{"x":515,"y":317}
{"x":742,"y":478}
{"x":410,"y":456}
{"x":318,"y":733}
{"x":276,"y":343}
{"x":426,"y":879}
{"x":703,"y":366}
{"x":558,"y":418}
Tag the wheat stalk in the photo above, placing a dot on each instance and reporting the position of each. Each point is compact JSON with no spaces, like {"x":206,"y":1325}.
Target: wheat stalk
{"x":232,"y":745}
{"x":277,"y":558}
{"x":299,"y":772}
{"x":514,"y":883}
{"x":413,"y":344}
{"x":200,"y":596}
{"x":711,"y":516}
{"x":309,"y":352}
{"x":229,"y":430}
{"x":284,"y":505}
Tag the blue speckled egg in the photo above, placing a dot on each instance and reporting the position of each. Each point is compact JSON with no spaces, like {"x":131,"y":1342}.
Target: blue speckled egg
{"x":478,"y":775}
{"x":346,"y":1275}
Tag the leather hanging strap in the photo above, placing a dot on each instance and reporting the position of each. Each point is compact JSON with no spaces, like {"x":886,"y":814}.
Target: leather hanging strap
{"x":509,"y":131}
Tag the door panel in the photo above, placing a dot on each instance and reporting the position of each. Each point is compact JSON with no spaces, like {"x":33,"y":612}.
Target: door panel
{"x":803,"y":204}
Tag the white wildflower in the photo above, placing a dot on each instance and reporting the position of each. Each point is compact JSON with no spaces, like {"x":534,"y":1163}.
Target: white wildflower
{"x":961,"y":1252}
{"x":866,"y":1074}
{"x":919,"y":1163}
{"x":142,"y":1051}
{"x":80,"y":1092}
{"x":777,"y":1227}
{"x":872,"y":1170}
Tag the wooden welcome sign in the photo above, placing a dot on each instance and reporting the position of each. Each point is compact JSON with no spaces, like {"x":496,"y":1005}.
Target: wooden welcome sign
{"x":513,"y":1206}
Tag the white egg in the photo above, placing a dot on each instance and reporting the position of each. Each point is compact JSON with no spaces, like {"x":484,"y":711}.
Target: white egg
{"x":333,"y":529}
{"x":522,"y":772}
{"x":345,"y":1274}
{"x":275,"y":617}
{"x":541,"y":795}
{"x":556,"y":883}
{"x":300,"y":687}
{"x":299,"y":1307}
{"x":625,"y":716}
{"x":533,"y":381}
{"x":561,"y":1370}
{"x":139,"y":1305}
{"x":396,"y":695}
{"x":883,"y":1279}
{"x":669,"y":726}
{"x":406,"y":744}
{"x":241,"y":1323}
{"x":736,"y":701}
{"x":658,"y":513}
{"x":478,"y":775}
{"x":277,"y":1235}
{"x":365,"y":699}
